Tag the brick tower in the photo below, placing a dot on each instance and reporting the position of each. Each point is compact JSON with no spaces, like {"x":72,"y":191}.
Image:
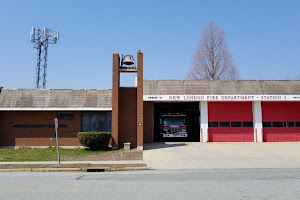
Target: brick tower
{"x":127,"y":105}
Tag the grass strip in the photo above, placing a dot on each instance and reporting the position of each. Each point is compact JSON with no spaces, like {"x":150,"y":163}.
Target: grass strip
{"x":43,"y":154}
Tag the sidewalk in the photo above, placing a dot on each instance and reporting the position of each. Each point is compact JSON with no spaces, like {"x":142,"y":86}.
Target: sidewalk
{"x":113,"y":162}
{"x":92,"y":166}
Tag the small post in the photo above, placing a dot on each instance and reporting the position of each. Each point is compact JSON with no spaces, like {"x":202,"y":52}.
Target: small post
{"x":57,"y":144}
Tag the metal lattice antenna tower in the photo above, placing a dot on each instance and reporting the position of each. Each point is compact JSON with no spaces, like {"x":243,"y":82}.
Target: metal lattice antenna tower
{"x":41,"y":38}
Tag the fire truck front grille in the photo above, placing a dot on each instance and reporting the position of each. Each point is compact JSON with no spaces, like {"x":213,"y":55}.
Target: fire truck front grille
{"x":174,"y":129}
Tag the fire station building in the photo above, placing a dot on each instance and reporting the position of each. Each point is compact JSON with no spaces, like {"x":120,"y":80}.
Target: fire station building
{"x":214,"y":111}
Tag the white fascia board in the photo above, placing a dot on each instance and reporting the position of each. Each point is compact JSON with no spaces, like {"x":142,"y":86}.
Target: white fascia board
{"x":56,"y":109}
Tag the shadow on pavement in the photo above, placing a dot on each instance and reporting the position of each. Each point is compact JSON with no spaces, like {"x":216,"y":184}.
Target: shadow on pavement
{"x":161,"y":145}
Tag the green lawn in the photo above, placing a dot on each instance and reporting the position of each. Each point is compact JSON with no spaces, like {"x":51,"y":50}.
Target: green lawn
{"x":43,"y":154}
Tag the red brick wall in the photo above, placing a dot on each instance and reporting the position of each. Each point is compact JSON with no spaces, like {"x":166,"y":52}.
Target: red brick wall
{"x":148,"y":121}
{"x":127,"y":107}
{"x":10,"y":136}
{"x":115,"y":101}
{"x":140,"y":103}
{"x":127,"y":116}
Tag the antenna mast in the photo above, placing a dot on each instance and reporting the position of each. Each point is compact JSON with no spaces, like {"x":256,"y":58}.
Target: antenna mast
{"x":41,"y":38}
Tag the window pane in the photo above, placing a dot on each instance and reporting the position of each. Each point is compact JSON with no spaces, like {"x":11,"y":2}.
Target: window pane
{"x":277,"y":124}
{"x":85,"y":121}
{"x":266,"y":124}
{"x":236,"y":124}
{"x":212,"y":124}
{"x":101,"y":121}
{"x":173,"y":120}
{"x":65,"y":115}
{"x":108,"y":121}
{"x":93,"y":121}
{"x":289,"y":124}
{"x":96,"y":121}
{"x":297,"y":124}
{"x":247,"y":124}
{"x":224,"y":124}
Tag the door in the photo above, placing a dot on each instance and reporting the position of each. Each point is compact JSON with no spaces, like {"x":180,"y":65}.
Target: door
{"x":281,"y":121}
{"x":230,"y":122}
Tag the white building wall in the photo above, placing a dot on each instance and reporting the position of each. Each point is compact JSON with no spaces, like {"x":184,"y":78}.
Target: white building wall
{"x":203,"y":121}
{"x":257,"y":121}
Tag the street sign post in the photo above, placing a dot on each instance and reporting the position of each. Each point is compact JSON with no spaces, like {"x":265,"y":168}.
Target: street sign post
{"x":57,"y":144}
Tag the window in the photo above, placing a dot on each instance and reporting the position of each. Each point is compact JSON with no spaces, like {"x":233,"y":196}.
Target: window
{"x":96,"y":121}
{"x":289,"y":124}
{"x":85,"y":125}
{"x":236,"y":124}
{"x":277,"y":124}
{"x":297,"y":124}
{"x":266,"y":124}
{"x":224,"y":124}
{"x":247,"y":124}
{"x":173,"y":120}
{"x":65,"y":115}
{"x":212,"y":124}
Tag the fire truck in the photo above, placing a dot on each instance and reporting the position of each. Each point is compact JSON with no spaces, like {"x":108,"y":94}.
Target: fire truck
{"x":173,"y":125}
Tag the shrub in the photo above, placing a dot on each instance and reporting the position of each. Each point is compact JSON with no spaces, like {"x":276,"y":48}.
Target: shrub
{"x":94,"y":140}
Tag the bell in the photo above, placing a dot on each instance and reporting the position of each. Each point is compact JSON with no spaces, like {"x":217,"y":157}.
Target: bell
{"x":128,"y":60}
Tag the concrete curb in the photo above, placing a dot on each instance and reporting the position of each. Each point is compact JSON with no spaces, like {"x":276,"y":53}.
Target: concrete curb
{"x":129,"y":169}
{"x":39,"y":169}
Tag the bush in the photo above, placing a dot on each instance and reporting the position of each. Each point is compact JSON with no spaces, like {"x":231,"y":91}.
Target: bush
{"x":94,"y":140}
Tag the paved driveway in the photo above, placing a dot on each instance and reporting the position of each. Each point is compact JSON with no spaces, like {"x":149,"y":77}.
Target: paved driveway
{"x":194,"y":155}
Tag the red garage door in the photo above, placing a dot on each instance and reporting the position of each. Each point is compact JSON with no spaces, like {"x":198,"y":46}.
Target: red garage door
{"x":230,"y":122}
{"x":281,"y":121}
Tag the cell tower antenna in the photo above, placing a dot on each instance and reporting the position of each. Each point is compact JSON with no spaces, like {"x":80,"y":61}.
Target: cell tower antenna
{"x":41,"y":38}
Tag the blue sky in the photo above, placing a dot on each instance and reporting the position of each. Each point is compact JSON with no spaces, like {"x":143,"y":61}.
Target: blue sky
{"x":263,"y":36}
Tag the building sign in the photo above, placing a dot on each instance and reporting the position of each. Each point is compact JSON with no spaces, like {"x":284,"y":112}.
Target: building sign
{"x":56,"y":122}
{"x":221,"y":97}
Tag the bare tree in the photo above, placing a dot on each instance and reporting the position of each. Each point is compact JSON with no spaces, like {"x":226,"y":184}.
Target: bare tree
{"x":212,"y":59}
{"x":292,"y":78}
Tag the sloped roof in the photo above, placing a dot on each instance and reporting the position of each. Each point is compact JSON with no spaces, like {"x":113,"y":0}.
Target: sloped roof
{"x":81,"y":99}
{"x":54,"y":98}
{"x":239,"y":87}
